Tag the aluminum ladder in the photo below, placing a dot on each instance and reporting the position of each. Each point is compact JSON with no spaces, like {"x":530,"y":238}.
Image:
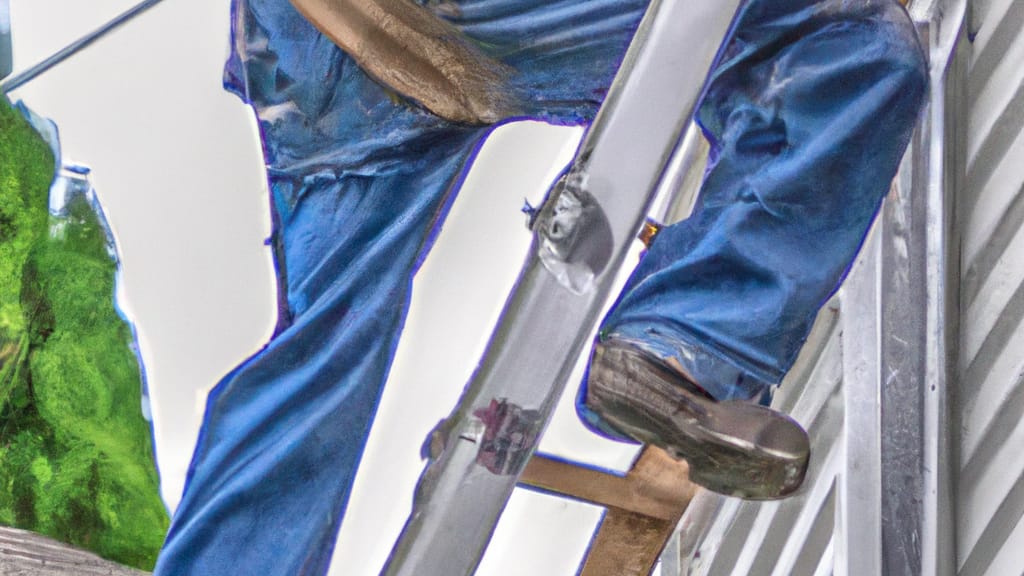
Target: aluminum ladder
{"x":635,"y":149}
{"x":879,"y":495}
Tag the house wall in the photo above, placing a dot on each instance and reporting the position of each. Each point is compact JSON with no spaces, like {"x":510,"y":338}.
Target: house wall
{"x":990,"y":499}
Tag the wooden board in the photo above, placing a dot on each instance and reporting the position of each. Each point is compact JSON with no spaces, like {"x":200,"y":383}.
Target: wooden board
{"x":644,"y":507}
{"x":26,"y":554}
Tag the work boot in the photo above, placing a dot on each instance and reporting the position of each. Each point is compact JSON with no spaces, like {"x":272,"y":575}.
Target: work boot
{"x":734,"y":447}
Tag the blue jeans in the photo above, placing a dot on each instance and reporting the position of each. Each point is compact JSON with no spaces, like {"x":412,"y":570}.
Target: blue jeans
{"x":808,"y":113}
{"x":809,"y":110}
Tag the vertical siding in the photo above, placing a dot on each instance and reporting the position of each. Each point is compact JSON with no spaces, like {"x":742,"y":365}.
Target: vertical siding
{"x":991,"y":484}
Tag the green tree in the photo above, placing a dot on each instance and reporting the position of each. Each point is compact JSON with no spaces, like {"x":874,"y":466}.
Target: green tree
{"x":76,"y":460}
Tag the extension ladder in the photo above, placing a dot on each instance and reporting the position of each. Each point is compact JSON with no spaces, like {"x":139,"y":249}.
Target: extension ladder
{"x":582,"y":232}
{"x":878,"y":498}
{"x":636,"y":150}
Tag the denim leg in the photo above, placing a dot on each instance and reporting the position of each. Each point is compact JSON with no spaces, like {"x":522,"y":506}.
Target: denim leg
{"x":808,"y":113}
{"x":283,"y":432}
{"x":360,"y":181}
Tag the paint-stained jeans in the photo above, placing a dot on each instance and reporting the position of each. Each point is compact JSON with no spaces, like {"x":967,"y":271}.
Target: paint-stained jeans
{"x":808,"y":111}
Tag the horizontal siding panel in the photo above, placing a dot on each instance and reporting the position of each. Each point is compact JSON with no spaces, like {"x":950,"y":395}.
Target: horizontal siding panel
{"x":999,"y":301}
{"x":989,"y":395}
{"x":990,"y":99}
{"x":986,"y":483}
{"x":993,"y":41}
{"x":980,"y":9}
{"x":1007,"y":560}
{"x":1000,"y":211}
{"x":993,"y":540}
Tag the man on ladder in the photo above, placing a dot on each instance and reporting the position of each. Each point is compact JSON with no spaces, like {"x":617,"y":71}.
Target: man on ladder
{"x":808,"y":110}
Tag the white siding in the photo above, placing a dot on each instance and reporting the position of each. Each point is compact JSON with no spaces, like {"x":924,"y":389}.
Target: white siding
{"x":991,"y":483}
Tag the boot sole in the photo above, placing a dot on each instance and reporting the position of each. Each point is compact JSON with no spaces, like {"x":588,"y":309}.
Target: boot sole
{"x":733,"y":447}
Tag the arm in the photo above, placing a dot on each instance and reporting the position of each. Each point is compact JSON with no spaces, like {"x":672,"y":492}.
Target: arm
{"x":409,"y":49}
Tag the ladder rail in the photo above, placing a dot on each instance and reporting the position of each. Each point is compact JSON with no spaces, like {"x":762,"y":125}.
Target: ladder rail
{"x":582,"y":235}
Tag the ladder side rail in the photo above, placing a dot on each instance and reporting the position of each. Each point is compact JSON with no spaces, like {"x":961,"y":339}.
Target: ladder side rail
{"x":915,"y":288}
{"x":913,"y":324}
{"x":582,"y":236}
{"x":937,"y":180}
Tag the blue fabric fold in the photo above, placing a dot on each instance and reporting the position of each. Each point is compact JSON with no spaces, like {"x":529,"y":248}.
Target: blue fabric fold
{"x":808,"y":111}
{"x":360,"y":181}
{"x":808,"y":114}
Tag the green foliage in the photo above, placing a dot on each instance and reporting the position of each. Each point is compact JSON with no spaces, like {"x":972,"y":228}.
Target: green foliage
{"x":76,"y":461}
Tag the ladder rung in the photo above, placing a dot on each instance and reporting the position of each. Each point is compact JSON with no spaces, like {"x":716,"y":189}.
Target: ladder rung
{"x":644,"y":507}
{"x":626,"y":544}
{"x":639,"y":492}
